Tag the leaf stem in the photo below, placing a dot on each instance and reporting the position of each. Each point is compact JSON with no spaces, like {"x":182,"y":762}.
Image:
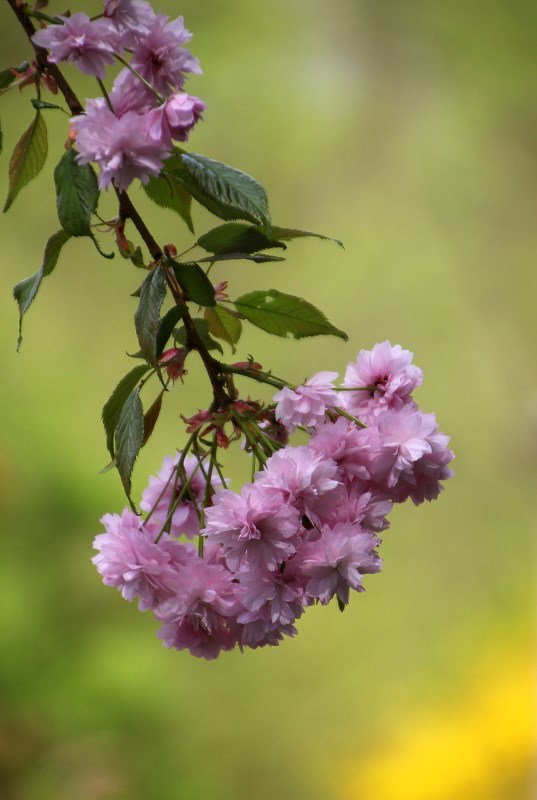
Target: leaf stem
{"x":257,"y":375}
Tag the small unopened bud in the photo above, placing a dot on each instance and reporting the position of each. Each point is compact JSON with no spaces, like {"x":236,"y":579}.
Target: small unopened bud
{"x":174,"y":361}
{"x":170,"y":249}
{"x":220,"y":291}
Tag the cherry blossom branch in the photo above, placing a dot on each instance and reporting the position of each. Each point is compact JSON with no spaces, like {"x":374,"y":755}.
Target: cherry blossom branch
{"x":127,"y":210}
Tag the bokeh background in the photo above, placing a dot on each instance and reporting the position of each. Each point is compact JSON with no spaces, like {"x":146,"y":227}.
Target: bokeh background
{"x":407,"y":131}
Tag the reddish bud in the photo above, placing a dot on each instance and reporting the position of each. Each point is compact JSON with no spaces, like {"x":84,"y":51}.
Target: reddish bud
{"x":174,"y":361}
{"x":171,"y":249}
{"x":251,"y":365}
{"x":220,"y":291}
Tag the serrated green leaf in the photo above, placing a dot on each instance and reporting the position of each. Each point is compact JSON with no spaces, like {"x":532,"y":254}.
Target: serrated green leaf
{"x":224,"y":325}
{"x":226,"y":192}
{"x":236,"y":237}
{"x":28,"y":158}
{"x":285,"y":315}
{"x":202,"y":327}
{"x":25,"y":291}
{"x":166,"y":326}
{"x":257,"y":258}
{"x":147,"y":317}
{"x":167,"y":192}
{"x":286,"y":234}
{"x":112,"y":408}
{"x":151,"y":416}
{"x":194,"y":283}
{"x":77,"y":194}
{"x":128,"y":438}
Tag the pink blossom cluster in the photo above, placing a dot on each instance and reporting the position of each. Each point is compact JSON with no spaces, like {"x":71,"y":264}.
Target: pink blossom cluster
{"x":130,"y":132}
{"x":304,"y":531}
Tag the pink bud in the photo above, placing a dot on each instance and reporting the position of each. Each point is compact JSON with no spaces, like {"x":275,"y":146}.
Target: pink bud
{"x":174,"y":361}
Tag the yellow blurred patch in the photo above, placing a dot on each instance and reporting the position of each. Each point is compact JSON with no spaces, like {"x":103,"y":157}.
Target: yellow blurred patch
{"x":482,"y":748}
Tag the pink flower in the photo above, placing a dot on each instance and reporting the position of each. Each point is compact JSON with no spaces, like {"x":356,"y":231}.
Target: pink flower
{"x":175,"y":118}
{"x":412,"y":457}
{"x":159,"y":57}
{"x":131,"y":561}
{"x":131,"y":19}
{"x":257,"y":525}
{"x":130,"y":94}
{"x":89,"y":43}
{"x":346,"y":444}
{"x":307,"y":405}
{"x":358,"y":503}
{"x":270,"y":596}
{"x":122,"y":147}
{"x":160,"y":495}
{"x":198,"y":616}
{"x":303,"y":477}
{"x":389,"y":375}
{"x":336,"y":562}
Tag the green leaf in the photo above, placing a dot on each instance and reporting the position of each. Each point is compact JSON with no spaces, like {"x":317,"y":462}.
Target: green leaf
{"x":39,"y":105}
{"x":257,"y":258}
{"x":77,"y":194}
{"x":128,"y":438}
{"x":194,"y":283}
{"x":147,"y":317}
{"x":236,"y":237}
{"x":7,"y":76}
{"x":99,"y":248}
{"x":285,"y":315}
{"x":223,"y":190}
{"x":286,"y":234}
{"x":167,"y":192}
{"x":25,"y":291}
{"x":112,"y":408}
{"x":166,"y":326}
{"x":28,"y":158}
{"x":151,"y":416}
{"x":224,"y":325}
{"x":202,"y":327}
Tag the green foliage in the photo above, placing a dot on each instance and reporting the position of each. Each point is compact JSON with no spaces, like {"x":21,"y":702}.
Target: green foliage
{"x":194,"y":283}
{"x":285,"y":315}
{"x":167,"y":192}
{"x":236,"y":237}
{"x":202,"y":327}
{"x":27,"y":158}
{"x":7,"y":76}
{"x":40,"y":105}
{"x":25,"y":291}
{"x":147,"y":317}
{"x":286,"y":234}
{"x":77,"y":194}
{"x":166,"y":326}
{"x":129,"y":437}
{"x":224,"y":191}
{"x":114,"y":405}
{"x":224,"y":325}
{"x":257,"y":258}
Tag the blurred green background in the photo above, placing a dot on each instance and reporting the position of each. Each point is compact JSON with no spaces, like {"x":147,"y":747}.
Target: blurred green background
{"x":406,"y":130}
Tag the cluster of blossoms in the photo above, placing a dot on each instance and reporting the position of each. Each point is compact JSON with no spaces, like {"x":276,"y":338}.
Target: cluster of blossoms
{"x":304,"y":531}
{"x":130,"y":132}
